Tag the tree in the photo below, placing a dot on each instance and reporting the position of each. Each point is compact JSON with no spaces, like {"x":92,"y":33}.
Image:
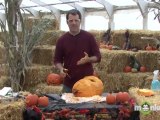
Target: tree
{"x":155,"y":9}
{"x":19,"y":45}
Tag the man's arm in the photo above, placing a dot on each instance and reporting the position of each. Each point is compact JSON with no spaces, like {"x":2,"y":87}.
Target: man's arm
{"x":62,"y":71}
{"x":87,"y":59}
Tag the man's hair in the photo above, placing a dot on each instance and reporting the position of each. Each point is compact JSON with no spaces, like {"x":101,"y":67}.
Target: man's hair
{"x":73,"y":12}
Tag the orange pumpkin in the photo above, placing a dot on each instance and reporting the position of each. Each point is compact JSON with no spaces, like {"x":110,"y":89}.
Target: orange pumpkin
{"x":122,"y":97}
{"x":43,"y":101}
{"x":109,"y":47}
{"x":88,"y":87}
{"x":54,"y":79}
{"x":143,"y":69}
{"x":148,"y":48}
{"x":126,"y":97}
{"x":31,"y":100}
{"x":110,"y":99}
{"x":127,"y":69}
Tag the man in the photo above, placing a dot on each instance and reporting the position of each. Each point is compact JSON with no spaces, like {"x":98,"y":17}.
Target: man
{"x":75,"y":52}
{"x":107,"y":37}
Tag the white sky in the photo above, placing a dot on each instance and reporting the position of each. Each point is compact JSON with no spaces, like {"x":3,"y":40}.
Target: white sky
{"x":122,"y":21}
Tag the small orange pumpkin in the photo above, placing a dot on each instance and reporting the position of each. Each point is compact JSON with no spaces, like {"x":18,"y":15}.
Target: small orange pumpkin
{"x":122,"y":97}
{"x":143,"y":69}
{"x":31,"y":100}
{"x":54,"y":79}
{"x":148,"y":47}
{"x":43,"y":101}
{"x":126,"y":97}
{"x":127,"y":69}
{"x":110,"y":99}
{"x":109,"y":47}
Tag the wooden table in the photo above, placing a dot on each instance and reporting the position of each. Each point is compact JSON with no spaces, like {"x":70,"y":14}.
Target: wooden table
{"x":87,"y":109}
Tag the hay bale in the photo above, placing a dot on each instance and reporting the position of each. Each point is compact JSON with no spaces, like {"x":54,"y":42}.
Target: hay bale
{"x":51,"y":37}
{"x":2,"y":54}
{"x":36,"y":74}
{"x":43,"y":55}
{"x":4,"y":70}
{"x":43,"y":88}
{"x":135,"y":37}
{"x":123,"y":81}
{"x":153,"y":100}
{"x":12,"y":110}
{"x":4,"y":81}
{"x":114,"y":61}
{"x":154,"y":115}
{"x":29,"y":22}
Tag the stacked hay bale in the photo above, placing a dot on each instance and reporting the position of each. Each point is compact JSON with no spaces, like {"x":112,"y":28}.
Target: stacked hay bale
{"x":43,"y":88}
{"x":123,"y":81}
{"x":110,"y":69}
{"x":36,"y":74}
{"x":135,"y":38}
{"x":51,"y":37}
{"x":4,"y":81}
{"x":114,"y":61}
{"x":152,"y":100}
{"x":29,"y":22}
{"x":12,"y":110}
{"x":43,"y":55}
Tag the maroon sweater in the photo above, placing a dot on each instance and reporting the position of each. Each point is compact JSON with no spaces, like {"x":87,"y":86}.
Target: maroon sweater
{"x":70,"y":49}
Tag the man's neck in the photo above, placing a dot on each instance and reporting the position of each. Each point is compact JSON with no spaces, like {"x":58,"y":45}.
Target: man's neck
{"x":74,"y":33}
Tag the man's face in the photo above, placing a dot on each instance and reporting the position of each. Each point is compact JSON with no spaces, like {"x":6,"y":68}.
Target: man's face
{"x":73,"y":23}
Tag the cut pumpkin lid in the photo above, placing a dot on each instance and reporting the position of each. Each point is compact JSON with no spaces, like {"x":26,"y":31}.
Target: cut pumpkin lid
{"x":145,"y":92}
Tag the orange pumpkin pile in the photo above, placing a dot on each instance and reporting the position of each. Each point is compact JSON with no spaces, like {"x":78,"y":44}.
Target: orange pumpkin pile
{"x":120,"y":97}
{"x":88,"y":87}
{"x":34,"y":100}
{"x":54,"y":79}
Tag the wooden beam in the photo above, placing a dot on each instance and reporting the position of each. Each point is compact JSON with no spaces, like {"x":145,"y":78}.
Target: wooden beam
{"x":53,"y":9}
{"x":109,"y":7}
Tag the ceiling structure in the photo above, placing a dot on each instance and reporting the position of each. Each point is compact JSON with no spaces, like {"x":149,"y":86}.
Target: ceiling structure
{"x":59,"y":7}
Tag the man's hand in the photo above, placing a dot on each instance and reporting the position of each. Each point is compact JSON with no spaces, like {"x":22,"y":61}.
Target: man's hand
{"x":64,"y":73}
{"x":84,"y":60}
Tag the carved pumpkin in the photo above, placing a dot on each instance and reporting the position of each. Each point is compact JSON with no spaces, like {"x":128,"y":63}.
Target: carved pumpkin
{"x":110,"y":99}
{"x":88,"y":87}
{"x":54,"y":79}
{"x":43,"y":101}
{"x":31,"y":100}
